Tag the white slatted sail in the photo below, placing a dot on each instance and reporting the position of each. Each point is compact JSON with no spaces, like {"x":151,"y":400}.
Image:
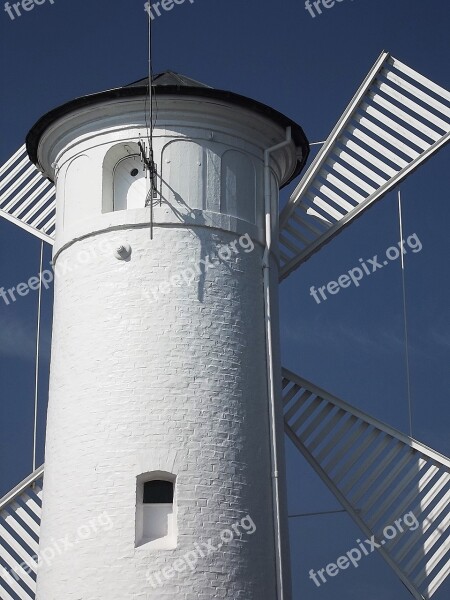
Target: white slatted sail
{"x":379,"y":475}
{"x":20,"y":518}
{"x":27,"y":198}
{"x":396,"y":121}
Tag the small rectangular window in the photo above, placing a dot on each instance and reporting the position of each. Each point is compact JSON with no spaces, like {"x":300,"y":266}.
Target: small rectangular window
{"x":158,"y":492}
{"x":155,"y":512}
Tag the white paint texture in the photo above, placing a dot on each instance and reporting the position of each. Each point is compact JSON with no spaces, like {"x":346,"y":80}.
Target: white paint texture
{"x":177,"y":386}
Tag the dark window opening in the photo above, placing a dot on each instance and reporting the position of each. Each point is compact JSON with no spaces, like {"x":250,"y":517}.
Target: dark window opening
{"x":134,"y":173}
{"x":158,"y":492}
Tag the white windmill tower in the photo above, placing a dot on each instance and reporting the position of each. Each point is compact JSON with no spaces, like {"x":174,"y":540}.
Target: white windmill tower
{"x":165,"y":399}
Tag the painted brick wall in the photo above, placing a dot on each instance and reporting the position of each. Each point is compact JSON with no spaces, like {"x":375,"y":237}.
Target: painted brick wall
{"x":177,"y":384}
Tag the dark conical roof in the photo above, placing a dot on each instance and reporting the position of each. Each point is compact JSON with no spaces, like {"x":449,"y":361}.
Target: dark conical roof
{"x":169,"y":78}
{"x":163,"y":84}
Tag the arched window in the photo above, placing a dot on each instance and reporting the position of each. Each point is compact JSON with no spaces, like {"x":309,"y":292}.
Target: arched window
{"x":155,"y":511}
{"x":238,"y":188}
{"x":124,"y":185}
{"x":129,"y":184}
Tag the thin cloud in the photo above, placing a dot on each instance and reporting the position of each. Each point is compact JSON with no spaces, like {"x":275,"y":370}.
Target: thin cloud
{"x":373,"y":338}
{"x":319,"y":332}
{"x":17,"y":339}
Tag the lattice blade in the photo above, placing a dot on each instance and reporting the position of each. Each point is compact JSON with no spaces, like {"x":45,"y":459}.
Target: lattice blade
{"x":388,"y":482}
{"x":27,"y":198}
{"x":20,"y":519}
{"x":395,"y":122}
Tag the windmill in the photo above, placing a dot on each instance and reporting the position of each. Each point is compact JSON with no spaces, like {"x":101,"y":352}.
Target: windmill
{"x":396,"y":121}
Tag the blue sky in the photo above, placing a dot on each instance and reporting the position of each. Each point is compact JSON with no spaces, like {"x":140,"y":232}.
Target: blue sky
{"x":352,"y":344}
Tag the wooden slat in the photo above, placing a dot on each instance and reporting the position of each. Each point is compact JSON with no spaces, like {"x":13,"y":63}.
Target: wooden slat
{"x":357,"y":181}
{"x":430,"y":542}
{"x":416,"y":92}
{"x":20,"y":532}
{"x":38,"y":204}
{"x":375,"y":145}
{"x":42,"y":217}
{"x":422,"y":507}
{"x":337,"y":435}
{"x":16,"y":203}
{"x":440,"y":577}
{"x":297,"y":234}
{"x":329,"y":193}
{"x":17,"y":589}
{"x":31,"y":503}
{"x":29,"y":174}
{"x":370,"y":158}
{"x":404,"y":116}
{"x":320,"y":418}
{"x":383,"y":442}
{"x":18,"y":510}
{"x":292,"y":392}
{"x":426,"y":480}
{"x":359,"y":166}
{"x":361,"y":491}
{"x":290,"y":244}
{"x":14,"y":172}
{"x":26,"y":557}
{"x":387,"y":137}
{"x":14,"y":158}
{"x":16,"y":569}
{"x":321,"y":434}
{"x":437,"y":89}
{"x":309,"y":226}
{"x":423,"y":112}
{"x":4,"y":595}
{"x":306,"y":414}
{"x":300,"y":401}
{"x":338,"y":183}
{"x":432,"y":563}
{"x":394,"y":126}
{"x":354,"y":458}
{"x":334,"y":460}
{"x":49,"y":225}
{"x":412,"y":473}
{"x":330,"y":211}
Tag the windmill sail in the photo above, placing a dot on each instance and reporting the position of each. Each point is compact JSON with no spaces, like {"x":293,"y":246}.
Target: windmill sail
{"x":26,"y":197}
{"x":20,"y":518}
{"x":396,"y":121}
{"x":379,"y":475}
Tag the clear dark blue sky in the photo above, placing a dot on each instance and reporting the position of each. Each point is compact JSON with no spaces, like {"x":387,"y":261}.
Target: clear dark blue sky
{"x":353,"y":344}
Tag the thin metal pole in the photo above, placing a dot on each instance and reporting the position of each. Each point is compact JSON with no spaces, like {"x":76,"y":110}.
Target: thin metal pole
{"x":405,"y":316}
{"x":38,"y":338}
{"x":317,"y":514}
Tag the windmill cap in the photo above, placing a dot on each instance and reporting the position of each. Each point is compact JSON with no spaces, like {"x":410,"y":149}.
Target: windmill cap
{"x":169,"y":83}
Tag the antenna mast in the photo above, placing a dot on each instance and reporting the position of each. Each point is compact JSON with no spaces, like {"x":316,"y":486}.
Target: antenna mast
{"x":148,"y":159}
